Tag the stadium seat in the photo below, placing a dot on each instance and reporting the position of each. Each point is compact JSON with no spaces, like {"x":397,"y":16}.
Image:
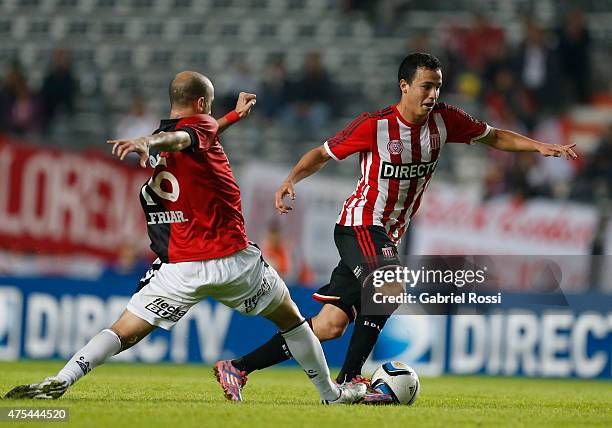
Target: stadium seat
{"x":221,"y":4}
{"x":78,"y":28}
{"x":142,"y":4}
{"x":67,"y":4}
{"x":182,"y":4}
{"x":161,"y":58}
{"x":113,"y":29}
{"x":296,"y":5}
{"x":84,"y":56}
{"x":39,"y":28}
{"x":105,"y":4}
{"x":153,"y":28}
{"x":6,"y":28}
{"x":28,"y":3}
{"x":267,"y":29}
{"x":193,"y":29}
{"x":307,"y":31}
{"x":229,"y":29}
{"x":9,"y":53}
{"x":122,"y":58}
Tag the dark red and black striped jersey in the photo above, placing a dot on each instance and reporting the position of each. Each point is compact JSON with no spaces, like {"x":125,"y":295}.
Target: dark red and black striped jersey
{"x":397,"y":162}
{"x":192,"y":202}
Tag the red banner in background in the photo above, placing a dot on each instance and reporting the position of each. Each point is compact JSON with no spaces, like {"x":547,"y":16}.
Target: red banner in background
{"x":61,"y":202}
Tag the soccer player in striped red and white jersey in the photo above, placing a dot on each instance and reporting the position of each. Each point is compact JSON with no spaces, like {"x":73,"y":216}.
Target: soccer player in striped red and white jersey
{"x":398,"y":149}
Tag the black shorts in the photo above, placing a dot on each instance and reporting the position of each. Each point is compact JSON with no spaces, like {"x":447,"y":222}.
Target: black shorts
{"x":362,"y":250}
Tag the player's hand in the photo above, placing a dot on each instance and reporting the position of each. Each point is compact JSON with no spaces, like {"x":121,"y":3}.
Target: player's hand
{"x":558,"y":150}
{"x":285,"y":189}
{"x":245,"y":103}
{"x":137,"y":145}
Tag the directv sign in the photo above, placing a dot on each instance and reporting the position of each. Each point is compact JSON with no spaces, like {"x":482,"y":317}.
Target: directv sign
{"x":516,"y":342}
{"x":52,"y":318}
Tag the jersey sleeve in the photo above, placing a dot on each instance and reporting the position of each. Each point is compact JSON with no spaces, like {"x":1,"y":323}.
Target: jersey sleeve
{"x":461,"y":127}
{"x":202,"y":129}
{"x":355,"y":138}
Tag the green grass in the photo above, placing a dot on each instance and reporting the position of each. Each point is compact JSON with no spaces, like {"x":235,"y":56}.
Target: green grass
{"x":188,"y":396}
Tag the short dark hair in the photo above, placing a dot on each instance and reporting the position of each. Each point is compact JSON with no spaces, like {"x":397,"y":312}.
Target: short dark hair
{"x":409,"y":65}
{"x":184,"y":91}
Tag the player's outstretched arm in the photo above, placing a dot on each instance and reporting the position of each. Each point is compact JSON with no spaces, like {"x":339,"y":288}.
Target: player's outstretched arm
{"x":509,"y":141}
{"x":310,"y":163}
{"x":244,"y":105}
{"x":174,"y":141}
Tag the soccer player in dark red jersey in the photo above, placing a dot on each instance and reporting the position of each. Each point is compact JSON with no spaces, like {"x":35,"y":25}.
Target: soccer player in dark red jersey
{"x":398,"y":149}
{"x":194,"y":220}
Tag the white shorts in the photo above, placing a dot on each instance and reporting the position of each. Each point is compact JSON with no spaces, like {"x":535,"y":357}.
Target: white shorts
{"x":241,"y":281}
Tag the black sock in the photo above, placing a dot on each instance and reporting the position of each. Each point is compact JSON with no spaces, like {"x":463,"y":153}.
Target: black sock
{"x":272,"y":352}
{"x":365,"y":335}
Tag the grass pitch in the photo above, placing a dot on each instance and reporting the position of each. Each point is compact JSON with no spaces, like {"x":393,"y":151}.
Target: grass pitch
{"x":138,"y":395}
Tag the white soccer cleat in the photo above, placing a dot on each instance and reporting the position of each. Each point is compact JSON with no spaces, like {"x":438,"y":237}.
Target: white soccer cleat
{"x":50,"y":388}
{"x":350,"y":393}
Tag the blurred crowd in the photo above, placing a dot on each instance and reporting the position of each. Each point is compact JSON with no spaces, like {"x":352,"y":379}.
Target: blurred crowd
{"x":24,"y":110}
{"x":527,"y":87}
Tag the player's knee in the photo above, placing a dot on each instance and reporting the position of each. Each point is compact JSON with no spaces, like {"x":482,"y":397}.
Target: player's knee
{"x":127,"y":341}
{"x":336,"y":330}
{"x":328,"y":329}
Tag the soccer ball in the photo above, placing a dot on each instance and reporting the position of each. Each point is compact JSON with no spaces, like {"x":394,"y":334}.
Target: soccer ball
{"x":399,"y":380}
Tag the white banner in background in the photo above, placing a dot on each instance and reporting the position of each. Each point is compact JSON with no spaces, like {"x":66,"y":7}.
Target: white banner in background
{"x":452,"y":221}
{"x":306,"y":233}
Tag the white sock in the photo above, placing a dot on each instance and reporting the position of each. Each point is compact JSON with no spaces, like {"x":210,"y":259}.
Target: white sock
{"x":100,"y":348}
{"x":306,"y":349}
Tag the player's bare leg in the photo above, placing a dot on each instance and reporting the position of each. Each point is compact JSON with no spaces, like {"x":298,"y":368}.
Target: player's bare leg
{"x":131,"y":329}
{"x":330,"y":323}
{"x":124,"y":333}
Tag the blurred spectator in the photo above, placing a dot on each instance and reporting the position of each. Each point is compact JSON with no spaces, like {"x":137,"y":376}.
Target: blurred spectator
{"x":538,"y":67}
{"x":19,"y":106}
{"x":349,"y":6}
{"x":273,"y":98}
{"x":130,"y":261}
{"x":550,"y":177}
{"x":574,"y":43}
{"x":482,"y":43}
{"x":137,"y":122}
{"x":275,"y":249}
{"x":59,"y":88}
{"x":595,"y":179}
{"x":470,"y":54}
{"x":312,"y":99}
{"x":239,"y":78}
{"x":507,"y":104}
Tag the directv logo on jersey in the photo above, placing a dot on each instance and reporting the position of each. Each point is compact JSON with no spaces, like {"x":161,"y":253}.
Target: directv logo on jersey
{"x":163,"y":309}
{"x":407,"y":171}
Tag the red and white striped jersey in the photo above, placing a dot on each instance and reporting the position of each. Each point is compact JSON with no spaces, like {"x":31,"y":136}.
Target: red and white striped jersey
{"x":397,"y":161}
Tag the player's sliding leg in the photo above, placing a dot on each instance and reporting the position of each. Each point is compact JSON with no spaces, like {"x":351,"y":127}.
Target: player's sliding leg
{"x":329,"y":323}
{"x":233,"y":375}
{"x":124,"y":333}
{"x":306,"y":349}
{"x":364,"y":337}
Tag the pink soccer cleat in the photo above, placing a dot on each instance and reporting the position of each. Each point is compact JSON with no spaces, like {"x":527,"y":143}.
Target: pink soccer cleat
{"x":231,"y":379}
